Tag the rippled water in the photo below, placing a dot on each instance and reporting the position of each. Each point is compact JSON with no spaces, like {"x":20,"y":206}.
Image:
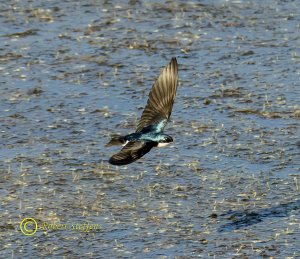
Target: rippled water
{"x":74,"y":72}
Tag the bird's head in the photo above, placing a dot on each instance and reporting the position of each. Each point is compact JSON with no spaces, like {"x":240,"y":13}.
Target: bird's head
{"x":167,"y":139}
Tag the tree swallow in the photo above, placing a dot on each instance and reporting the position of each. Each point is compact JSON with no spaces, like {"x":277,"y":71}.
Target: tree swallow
{"x":149,"y":132}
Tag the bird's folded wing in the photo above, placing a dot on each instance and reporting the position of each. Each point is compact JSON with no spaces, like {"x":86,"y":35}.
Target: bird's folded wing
{"x":161,"y":99}
{"x":131,"y":152}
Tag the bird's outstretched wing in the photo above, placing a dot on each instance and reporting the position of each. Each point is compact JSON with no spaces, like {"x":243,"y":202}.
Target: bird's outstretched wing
{"x":161,"y":99}
{"x":131,"y":152}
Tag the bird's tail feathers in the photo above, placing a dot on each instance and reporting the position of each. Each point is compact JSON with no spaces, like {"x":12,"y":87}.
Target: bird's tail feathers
{"x":116,"y":140}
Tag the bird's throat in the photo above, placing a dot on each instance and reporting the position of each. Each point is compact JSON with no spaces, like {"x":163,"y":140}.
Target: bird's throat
{"x":162,"y":144}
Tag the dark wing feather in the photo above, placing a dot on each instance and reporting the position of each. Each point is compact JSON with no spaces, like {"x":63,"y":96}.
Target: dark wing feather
{"x":131,"y":152}
{"x":161,"y":98}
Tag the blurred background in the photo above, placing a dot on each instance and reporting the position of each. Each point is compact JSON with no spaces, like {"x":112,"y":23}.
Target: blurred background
{"x":74,"y":72}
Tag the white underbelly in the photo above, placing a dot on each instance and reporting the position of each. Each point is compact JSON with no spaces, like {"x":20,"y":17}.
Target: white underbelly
{"x":125,"y":143}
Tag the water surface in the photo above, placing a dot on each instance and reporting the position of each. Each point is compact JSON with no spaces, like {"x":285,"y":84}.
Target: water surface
{"x":74,"y":72}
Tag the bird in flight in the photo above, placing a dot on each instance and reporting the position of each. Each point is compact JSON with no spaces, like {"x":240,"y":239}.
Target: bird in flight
{"x":149,"y":132}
